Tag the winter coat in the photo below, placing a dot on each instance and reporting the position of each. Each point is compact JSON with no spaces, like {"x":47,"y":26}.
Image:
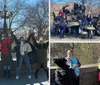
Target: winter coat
{"x":6,"y":51}
{"x":42,"y":52}
{"x":64,"y":75}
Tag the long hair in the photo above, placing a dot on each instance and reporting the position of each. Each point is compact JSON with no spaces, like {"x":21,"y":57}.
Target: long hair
{"x":15,"y":39}
{"x":31,"y":36}
{"x":28,"y":39}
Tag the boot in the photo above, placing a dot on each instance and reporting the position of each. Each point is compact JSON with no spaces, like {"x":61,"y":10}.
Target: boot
{"x":9,"y":73}
{"x":36,"y":73}
{"x":4,"y":73}
{"x":47,"y":72}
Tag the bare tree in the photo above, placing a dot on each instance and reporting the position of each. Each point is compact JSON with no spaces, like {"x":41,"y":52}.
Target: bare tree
{"x":17,"y":9}
{"x":18,"y":13}
{"x":37,"y":16}
{"x":83,"y":2}
{"x":93,"y":7}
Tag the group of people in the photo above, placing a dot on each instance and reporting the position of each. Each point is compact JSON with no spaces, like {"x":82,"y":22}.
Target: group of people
{"x":68,"y":72}
{"x":30,"y":50}
{"x":77,"y":14}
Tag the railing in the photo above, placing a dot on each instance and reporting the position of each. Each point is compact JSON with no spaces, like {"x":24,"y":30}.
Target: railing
{"x":88,"y":74}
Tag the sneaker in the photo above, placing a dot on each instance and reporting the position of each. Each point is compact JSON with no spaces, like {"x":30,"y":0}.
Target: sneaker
{"x":29,"y":76}
{"x":17,"y":77}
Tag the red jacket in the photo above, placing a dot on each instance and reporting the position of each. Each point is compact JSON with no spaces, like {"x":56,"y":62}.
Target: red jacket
{"x":4,"y":45}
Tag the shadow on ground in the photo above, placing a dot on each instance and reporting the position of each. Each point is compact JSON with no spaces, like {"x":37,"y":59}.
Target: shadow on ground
{"x":23,"y":80}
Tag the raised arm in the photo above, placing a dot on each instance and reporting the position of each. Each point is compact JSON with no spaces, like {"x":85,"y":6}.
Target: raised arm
{"x":47,"y":43}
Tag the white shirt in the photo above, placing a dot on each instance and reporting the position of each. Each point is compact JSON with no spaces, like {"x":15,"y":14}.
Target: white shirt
{"x":69,"y":61}
{"x":24,"y":47}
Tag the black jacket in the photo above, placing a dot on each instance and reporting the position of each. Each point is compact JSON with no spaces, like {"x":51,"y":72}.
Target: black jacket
{"x":89,"y":18}
{"x":66,"y":11}
{"x":81,"y":16}
{"x":64,"y":75}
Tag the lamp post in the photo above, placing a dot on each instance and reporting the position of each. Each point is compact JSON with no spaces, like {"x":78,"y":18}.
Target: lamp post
{"x":4,"y":14}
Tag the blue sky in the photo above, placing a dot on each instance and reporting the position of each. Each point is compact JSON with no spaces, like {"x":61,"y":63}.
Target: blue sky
{"x":61,"y":1}
{"x":32,"y":2}
{"x":68,"y":1}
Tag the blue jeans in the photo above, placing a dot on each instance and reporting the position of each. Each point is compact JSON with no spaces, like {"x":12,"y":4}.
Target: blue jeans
{"x":27,"y":61}
{"x":81,"y":23}
{"x":5,"y":67}
{"x":62,"y":31}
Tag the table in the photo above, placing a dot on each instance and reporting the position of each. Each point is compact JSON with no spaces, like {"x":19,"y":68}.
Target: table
{"x":90,"y":30}
{"x":72,"y":23}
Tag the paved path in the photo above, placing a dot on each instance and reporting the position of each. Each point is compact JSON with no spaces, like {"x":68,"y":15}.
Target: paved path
{"x":23,"y":80}
{"x":73,"y":39}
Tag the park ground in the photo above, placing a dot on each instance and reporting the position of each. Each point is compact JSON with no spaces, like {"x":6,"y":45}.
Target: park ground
{"x":69,"y":38}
